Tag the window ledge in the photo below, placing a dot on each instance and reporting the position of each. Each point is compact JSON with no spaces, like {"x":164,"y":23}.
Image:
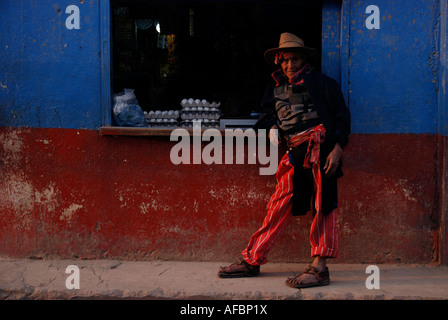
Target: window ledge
{"x":154,"y":132}
{"x":134,"y":131}
{"x":148,"y":132}
{"x":161,"y":132}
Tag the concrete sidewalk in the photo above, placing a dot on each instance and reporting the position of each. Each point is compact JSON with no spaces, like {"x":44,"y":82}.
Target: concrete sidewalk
{"x":113,"y":279}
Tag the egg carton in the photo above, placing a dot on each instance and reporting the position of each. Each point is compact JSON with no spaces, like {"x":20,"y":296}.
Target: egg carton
{"x":190,"y":103}
{"x":205,"y":115}
{"x":205,"y":123}
{"x":158,"y":114}
{"x":162,"y":122}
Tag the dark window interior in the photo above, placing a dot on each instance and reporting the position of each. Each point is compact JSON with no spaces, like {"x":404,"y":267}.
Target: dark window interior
{"x":209,"y":50}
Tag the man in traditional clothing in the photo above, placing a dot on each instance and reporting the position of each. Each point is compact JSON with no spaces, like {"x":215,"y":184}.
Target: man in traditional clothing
{"x":304,"y":110}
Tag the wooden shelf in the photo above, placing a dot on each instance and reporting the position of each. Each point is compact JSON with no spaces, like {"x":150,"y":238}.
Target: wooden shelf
{"x":134,"y":131}
{"x":154,"y":132}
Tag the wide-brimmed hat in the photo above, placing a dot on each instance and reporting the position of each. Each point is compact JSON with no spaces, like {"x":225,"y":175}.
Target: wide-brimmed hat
{"x":289,"y":42}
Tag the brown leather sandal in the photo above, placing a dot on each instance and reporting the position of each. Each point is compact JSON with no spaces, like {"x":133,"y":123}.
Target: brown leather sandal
{"x":322,"y":278}
{"x":238,"y":270}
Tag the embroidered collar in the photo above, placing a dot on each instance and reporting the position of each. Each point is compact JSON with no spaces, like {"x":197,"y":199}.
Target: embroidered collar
{"x":297,"y":79}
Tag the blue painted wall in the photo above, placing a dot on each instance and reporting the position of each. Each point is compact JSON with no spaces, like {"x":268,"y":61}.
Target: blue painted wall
{"x":53,"y":77}
{"x":50,"y":75}
{"x":393,"y":72}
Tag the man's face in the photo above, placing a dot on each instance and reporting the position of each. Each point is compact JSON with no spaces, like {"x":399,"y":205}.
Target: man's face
{"x":291,"y":63}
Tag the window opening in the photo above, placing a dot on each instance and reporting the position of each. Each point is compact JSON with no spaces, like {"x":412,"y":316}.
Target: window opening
{"x":180,"y":57}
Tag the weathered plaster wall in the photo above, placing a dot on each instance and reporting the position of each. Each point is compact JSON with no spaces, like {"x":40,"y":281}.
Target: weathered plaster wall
{"x":73,"y":193}
{"x":49,"y":74}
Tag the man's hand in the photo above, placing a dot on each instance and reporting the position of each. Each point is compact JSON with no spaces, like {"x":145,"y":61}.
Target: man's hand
{"x":333,"y":160}
{"x":273,"y":135}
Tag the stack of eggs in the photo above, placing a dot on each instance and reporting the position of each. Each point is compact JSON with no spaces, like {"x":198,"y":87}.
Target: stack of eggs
{"x":164,"y":119}
{"x":200,"y":110}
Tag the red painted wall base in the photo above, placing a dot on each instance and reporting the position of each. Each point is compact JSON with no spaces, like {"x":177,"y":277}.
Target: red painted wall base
{"x":76,"y":194}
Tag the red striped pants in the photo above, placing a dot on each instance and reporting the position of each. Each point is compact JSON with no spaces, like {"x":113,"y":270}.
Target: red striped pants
{"x":323,"y":233}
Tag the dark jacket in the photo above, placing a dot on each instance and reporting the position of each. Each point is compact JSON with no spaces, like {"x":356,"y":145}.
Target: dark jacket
{"x":335,"y":116}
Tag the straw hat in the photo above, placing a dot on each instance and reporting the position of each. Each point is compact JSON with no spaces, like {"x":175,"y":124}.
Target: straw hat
{"x":289,"y":42}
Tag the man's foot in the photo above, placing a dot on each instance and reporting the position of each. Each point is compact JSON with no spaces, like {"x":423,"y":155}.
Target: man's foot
{"x":311,"y":277}
{"x":238,"y":270}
